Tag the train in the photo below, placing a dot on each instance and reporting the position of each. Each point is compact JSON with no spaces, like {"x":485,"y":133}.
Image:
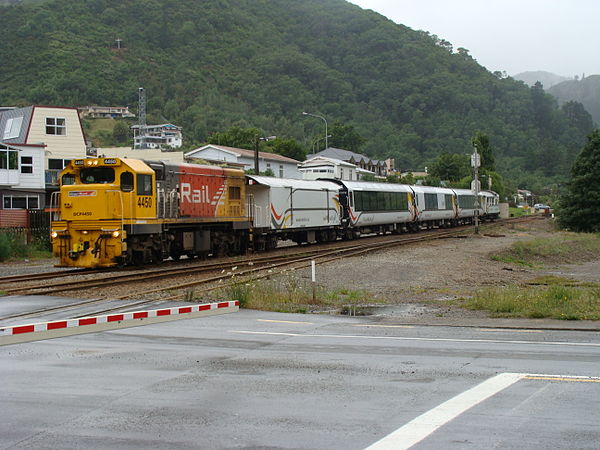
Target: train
{"x":124,"y":211}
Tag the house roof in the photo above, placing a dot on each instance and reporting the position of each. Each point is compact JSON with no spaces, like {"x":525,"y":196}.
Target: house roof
{"x":169,"y":126}
{"x":244,"y":152}
{"x":17,"y":136}
{"x":322,"y":160}
{"x":346,"y":155}
{"x":21,"y":134}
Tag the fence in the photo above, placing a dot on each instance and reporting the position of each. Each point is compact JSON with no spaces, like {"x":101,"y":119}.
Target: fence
{"x":32,"y":224}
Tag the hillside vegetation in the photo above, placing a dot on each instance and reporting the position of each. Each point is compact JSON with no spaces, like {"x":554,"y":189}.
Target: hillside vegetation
{"x":209,"y":65}
{"x":585,"y":91}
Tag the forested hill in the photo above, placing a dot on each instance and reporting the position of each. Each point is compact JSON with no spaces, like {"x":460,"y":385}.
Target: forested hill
{"x":208,"y":65}
{"x":547,"y":79}
{"x":585,"y":91}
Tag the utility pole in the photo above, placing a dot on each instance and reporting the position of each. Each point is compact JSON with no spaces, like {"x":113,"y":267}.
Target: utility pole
{"x":475,"y":163}
{"x":256,"y":142}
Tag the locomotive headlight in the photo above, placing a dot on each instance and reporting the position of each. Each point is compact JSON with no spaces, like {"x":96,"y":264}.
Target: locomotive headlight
{"x":116,"y":234}
{"x":54,"y":235}
{"x":84,"y":232}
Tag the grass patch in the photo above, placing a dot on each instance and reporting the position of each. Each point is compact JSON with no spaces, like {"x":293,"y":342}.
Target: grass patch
{"x":13,"y":244}
{"x":290,"y":294}
{"x":558,"y":248}
{"x":510,"y":260}
{"x":555,"y":301}
{"x":518,"y":212}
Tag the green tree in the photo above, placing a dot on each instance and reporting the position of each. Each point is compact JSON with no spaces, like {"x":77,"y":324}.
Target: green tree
{"x":482,"y":143}
{"x":579,"y":207}
{"x":120,"y":132}
{"x":236,"y":137}
{"x":450,"y":167}
{"x":578,"y":116}
{"x":287,"y":147}
{"x":345,"y":137}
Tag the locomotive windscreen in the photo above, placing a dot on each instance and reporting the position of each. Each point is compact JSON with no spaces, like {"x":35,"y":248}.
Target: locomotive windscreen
{"x":97,"y":175}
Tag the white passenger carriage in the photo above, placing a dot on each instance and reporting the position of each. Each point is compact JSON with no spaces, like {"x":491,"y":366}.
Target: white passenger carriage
{"x":435,"y":206}
{"x":490,"y":205}
{"x":466,"y":199}
{"x":377,"y":207}
{"x":301,"y":210}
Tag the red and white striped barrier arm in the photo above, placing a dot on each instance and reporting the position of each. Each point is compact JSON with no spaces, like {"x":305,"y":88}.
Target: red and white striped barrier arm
{"x":15,"y":334}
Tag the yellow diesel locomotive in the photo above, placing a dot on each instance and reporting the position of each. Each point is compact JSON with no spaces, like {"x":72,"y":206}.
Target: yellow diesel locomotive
{"x":119,"y":211}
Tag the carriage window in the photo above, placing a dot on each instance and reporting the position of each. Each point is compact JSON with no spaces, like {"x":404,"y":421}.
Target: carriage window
{"x":98,"y":175}
{"x":127,"y":182}
{"x":144,"y":184}
{"x":431,"y":202}
{"x":448,"y":200}
{"x":68,"y":179}
{"x":466,"y":201}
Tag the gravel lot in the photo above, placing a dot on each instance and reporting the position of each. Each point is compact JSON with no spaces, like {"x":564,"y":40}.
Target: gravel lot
{"x":417,"y":280}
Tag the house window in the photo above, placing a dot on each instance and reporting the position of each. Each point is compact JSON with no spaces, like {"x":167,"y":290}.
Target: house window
{"x":26,"y":164}
{"x":13,"y":127}
{"x":9,"y":159}
{"x":280,"y":171}
{"x":56,"y":126}
{"x":21,"y":202}
{"x":341,"y":173}
{"x":58,"y":164}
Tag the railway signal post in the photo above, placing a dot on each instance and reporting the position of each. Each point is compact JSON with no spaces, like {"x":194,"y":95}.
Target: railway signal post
{"x":476,"y":163}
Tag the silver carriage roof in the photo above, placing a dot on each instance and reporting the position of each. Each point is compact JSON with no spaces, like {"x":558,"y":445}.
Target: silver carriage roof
{"x":293,"y":183}
{"x":377,"y":187}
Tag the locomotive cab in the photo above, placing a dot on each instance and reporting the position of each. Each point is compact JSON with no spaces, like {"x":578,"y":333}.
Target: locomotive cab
{"x":100,"y":199}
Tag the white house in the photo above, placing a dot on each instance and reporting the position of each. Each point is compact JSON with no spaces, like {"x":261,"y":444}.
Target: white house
{"x":110,"y":112}
{"x":281,"y":166}
{"x":22,"y":183}
{"x":373,"y":166}
{"x":38,"y":142}
{"x":323,"y":167}
{"x":158,"y":136}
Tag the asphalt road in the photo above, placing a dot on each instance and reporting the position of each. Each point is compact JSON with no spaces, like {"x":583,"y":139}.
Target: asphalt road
{"x":265,"y":380}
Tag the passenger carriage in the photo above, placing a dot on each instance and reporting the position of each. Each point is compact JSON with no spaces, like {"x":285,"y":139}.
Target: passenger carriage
{"x":435,"y":206}
{"x":300,"y":210}
{"x":377,"y":207}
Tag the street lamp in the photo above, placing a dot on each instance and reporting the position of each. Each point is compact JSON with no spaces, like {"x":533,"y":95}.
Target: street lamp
{"x":324,"y":120}
{"x":316,"y":142}
{"x":256,"y":142}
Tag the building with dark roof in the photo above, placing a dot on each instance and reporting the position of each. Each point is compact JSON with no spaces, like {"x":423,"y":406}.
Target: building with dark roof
{"x":375,"y":166}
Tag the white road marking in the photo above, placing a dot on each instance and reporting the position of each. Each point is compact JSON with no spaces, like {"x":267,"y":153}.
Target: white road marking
{"x":419,"y":428}
{"x":382,"y":326}
{"x":509,"y":330}
{"x":400,"y":338}
{"x":282,"y":321}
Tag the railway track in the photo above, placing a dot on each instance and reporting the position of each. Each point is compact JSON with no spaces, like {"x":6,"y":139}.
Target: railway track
{"x":208,"y":275}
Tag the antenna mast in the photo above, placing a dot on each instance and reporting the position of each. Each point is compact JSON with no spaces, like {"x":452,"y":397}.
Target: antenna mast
{"x":142,"y":117}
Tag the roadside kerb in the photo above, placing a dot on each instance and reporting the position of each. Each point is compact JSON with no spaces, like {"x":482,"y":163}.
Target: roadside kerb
{"x":16,"y":334}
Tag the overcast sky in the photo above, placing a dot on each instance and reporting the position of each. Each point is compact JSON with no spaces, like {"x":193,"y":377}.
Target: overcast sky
{"x":558,"y":36}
